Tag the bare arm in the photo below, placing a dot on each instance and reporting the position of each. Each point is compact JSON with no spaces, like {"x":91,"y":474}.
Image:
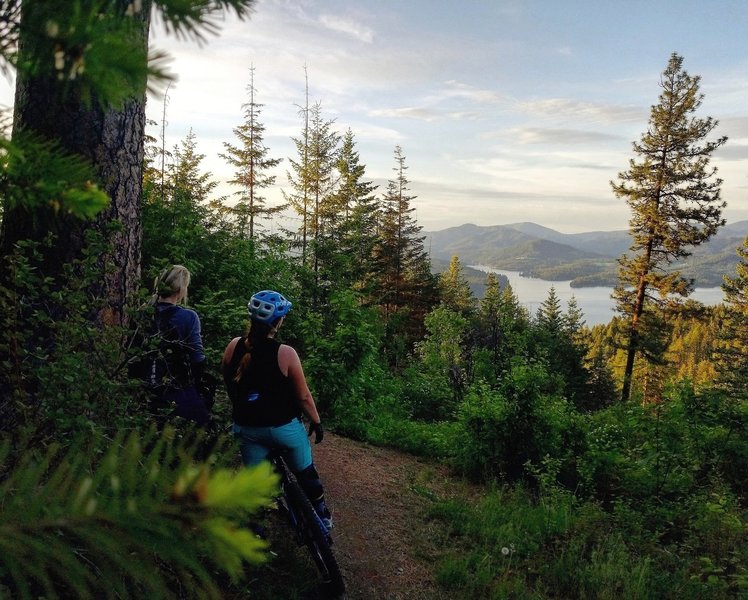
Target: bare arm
{"x":290,"y":365}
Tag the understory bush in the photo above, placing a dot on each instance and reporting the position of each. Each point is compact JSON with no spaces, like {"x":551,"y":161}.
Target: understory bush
{"x":524,"y":420}
{"x":514,"y":543}
{"x":61,"y":370}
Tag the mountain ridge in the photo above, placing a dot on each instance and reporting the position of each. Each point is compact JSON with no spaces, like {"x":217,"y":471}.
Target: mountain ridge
{"x":586,"y":258}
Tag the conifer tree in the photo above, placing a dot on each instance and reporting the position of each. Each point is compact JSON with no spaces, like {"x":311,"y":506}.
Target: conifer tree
{"x":82,"y":69}
{"x":549,"y":315}
{"x":455,"y":290}
{"x":175,"y":222}
{"x":357,"y":233}
{"x":674,"y":196}
{"x":251,"y":161}
{"x":407,"y":286}
{"x":490,"y":332}
{"x":732,"y":355}
{"x":313,"y":180}
{"x":400,"y":252}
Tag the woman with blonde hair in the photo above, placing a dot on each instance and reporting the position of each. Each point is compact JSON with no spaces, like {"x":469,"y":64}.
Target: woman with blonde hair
{"x":178,"y":374}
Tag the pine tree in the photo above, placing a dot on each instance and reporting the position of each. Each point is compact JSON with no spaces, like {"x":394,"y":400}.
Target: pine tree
{"x":549,"y":316}
{"x":174,"y":218}
{"x":313,"y":181}
{"x":82,"y":70}
{"x":732,"y":355}
{"x":407,"y":286}
{"x":251,"y":161}
{"x":502,"y":325}
{"x":400,"y":251}
{"x":356,"y":236}
{"x":490,"y":332}
{"x":455,"y":290}
{"x":675,"y":200}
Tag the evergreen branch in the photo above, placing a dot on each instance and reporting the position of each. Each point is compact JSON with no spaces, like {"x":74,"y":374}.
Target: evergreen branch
{"x":190,"y":18}
{"x":38,"y":173}
{"x":74,"y":524}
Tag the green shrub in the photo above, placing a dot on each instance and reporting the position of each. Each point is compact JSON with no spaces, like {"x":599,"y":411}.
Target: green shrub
{"x":61,"y":369}
{"x":519,"y":424}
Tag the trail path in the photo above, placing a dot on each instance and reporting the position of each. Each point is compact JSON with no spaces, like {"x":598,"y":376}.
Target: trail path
{"x":382,"y":540}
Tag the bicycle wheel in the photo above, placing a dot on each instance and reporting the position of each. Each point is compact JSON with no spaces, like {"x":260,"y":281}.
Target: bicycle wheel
{"x":315,"y":538}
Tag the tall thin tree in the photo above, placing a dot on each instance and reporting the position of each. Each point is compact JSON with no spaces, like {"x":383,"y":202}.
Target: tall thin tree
{"x":732,"y":353}
{"x":251,"y":161}
{"x":674,"y":196}
{"x":408,"y":287}
{"x":355,"y":232}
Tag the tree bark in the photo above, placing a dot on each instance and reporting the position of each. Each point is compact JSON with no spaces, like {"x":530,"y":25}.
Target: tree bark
{"x":112,"y":140}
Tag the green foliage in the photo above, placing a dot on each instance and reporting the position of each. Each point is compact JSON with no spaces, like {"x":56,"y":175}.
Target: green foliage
{"x":60,"y":371}
{"x":140,"y":519}
{"x":435,"y":385}
{"x":35,"y":174}
{"x":507,"y":430}
{"x":454,"y":288}
{"x":510,"y":543}
{"x":732,"y":348}
{"x":339,"y":344}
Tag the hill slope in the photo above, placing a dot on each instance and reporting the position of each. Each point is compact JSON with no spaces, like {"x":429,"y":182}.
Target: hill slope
{"x":585,"y":258}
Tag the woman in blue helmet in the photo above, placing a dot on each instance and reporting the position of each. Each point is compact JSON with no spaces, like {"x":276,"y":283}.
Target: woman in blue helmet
{"x":269,"y":393}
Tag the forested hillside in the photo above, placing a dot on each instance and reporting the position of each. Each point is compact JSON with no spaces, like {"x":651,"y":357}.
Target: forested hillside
{"x":611,"y":462}
{"x":587,"y":259}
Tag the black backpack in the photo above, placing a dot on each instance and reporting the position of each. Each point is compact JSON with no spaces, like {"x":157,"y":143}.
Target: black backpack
{"x":159,"y":359}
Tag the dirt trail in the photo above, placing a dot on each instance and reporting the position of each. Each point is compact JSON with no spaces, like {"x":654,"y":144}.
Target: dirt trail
{"x":381,"y":538}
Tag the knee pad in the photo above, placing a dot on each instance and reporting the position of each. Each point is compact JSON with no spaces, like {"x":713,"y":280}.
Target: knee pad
{"x":309,"y":481}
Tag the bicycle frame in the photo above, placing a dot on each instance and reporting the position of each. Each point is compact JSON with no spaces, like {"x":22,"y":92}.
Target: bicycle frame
{"x":308,"y":528}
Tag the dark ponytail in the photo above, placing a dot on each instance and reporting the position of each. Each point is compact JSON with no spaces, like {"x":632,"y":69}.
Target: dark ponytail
{"x":257,"y":335}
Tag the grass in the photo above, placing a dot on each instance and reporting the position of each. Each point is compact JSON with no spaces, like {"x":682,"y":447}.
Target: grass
{"x":508,"y":545}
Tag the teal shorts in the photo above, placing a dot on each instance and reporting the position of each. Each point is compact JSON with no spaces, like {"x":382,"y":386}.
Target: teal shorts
{"x":256,"y":443}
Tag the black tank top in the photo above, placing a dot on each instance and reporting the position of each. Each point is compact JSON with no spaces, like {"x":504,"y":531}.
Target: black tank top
{"x":264,"y":396}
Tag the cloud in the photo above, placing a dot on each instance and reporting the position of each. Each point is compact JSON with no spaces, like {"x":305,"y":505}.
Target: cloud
{"x":538,"y":135}
{"x":407,"y":112}
{"x":440,"y":205}
{"x":348,"y":27}
{"x":564,"y":108}
{"x":732,"y":152}
{"x":456,"y":89}
{"x":444,"y":104}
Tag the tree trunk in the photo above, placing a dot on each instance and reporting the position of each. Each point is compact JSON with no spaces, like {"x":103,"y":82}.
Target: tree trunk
{"x":112,"y":140}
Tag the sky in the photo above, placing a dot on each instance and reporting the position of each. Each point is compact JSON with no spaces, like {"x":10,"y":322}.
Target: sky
{"x":506,"y":110}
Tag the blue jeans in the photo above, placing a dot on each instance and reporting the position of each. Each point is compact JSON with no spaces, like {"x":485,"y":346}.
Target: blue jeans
{"x":256,"y":443}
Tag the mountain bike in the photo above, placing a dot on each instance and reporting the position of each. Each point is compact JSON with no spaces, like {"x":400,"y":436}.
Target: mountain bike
{"x":308,"y":528}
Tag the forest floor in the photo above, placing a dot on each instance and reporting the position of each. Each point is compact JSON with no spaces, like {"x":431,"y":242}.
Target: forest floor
{"x":385,"y":543}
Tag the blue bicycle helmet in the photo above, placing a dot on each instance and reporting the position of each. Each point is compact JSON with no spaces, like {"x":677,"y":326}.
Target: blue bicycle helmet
{"x":268,"y":306}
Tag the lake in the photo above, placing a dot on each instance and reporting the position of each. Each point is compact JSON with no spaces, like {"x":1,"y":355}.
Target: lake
{"x":595,"y":302}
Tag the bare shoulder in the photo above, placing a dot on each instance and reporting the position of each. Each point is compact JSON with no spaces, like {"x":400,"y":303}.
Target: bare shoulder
{"x":288,"y":359}
{"x":230,"y":350}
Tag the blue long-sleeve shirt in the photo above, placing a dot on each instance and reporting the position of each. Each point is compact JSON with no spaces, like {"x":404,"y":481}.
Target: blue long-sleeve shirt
{"x":186,"y":323}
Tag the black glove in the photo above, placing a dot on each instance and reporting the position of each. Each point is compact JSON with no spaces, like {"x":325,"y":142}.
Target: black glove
{"x":316,"y":429}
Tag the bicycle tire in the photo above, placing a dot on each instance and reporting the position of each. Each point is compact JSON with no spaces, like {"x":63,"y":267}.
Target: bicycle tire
{"x":315,"y":538}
